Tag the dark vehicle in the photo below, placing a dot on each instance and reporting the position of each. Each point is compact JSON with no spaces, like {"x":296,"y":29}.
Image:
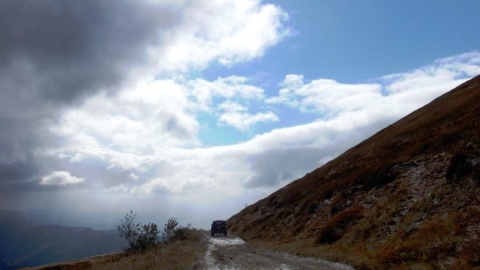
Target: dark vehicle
{"x":219,"y":227}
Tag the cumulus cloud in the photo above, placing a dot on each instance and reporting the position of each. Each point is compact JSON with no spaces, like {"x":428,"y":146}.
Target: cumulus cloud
{"x":140,"y":120}
{"x":325,"y":96}
{"x":225,"y":31}
{"x":243,"y":121}
{"x":236,"y":116}
{"x":60,"y":178}
{"x":163,"y":161}
{"x":55,"y":54}
{"x":233,"y":99}
{"x":404,"y":91}
{"x":71,"y":69}
{"x":233,"y":87}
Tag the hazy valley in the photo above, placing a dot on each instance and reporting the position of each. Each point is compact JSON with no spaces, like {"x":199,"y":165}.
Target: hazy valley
{"x":26,"y":243}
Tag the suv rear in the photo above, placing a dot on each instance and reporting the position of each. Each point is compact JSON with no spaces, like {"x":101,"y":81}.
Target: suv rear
{"x":219,"y":227}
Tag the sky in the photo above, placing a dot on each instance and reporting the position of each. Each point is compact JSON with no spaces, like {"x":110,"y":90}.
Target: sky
{"x":195,"y":109}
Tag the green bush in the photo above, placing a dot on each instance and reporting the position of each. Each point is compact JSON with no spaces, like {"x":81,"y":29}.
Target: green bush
{"x":144,"y":237}
{"x":184,"y":233}
{"x":140,"y":237}
{"x":169,"y":229}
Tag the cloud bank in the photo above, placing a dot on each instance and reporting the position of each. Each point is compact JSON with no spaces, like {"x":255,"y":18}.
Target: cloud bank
{"x":99,"y":106}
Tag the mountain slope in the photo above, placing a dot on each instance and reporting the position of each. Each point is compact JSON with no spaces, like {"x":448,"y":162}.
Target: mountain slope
{"x":23,"y":243}
{"x":405,"y":197}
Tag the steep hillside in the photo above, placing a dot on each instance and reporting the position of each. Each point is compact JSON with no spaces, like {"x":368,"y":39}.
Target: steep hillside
{"x":23,"y":243}
{"x":406,"y":197}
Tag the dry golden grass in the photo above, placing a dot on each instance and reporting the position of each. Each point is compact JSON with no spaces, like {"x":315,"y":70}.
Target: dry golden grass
{"x":177,"y":255}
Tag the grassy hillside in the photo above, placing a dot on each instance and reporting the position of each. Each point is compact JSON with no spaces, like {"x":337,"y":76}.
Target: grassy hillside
{"x":406,"y":197}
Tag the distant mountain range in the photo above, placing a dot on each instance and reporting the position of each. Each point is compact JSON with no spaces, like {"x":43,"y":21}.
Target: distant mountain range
{"x":24,"y":243}
{"x":406,"y":198}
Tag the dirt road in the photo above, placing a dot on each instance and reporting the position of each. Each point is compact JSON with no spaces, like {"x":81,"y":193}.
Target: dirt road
{"x":233,"y":253}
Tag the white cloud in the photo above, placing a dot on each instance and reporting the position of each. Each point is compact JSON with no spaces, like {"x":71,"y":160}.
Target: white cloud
{"x":243,"y":121}
{"x":326,"y":96}
{"x":139,"y":120}
{"x":231,"y":99}
{"x":237,"y":116}
{"x":133,"y":176}
{"x":60,"y":178}
{"x":128,"y":136}
{"x":154,"y":116}
{"x":233,"y":87}
{"x":395,"y":94}
{"x":227,"y":31}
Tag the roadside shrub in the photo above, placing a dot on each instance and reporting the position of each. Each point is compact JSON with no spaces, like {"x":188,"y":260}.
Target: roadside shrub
{"x":128,"y":229}
{"x":169,"y":229}
{"x":148,"y":237}
{"x":173,"y":232}
{"x":145,"y":237}
{"x":140,"y":237}
{"x":183,"y":233}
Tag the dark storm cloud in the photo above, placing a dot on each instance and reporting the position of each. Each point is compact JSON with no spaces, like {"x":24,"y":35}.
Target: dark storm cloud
{"x":56,"y":53}
{"x":17,"y":170}
{"x":64,"y":50}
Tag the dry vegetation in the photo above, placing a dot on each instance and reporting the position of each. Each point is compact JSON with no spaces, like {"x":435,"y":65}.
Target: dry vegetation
{"x":405,"y":198}
{"x":183,"y":254}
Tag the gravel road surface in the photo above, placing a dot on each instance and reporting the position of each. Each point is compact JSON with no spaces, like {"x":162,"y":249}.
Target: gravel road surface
{"x":233,"y":253}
